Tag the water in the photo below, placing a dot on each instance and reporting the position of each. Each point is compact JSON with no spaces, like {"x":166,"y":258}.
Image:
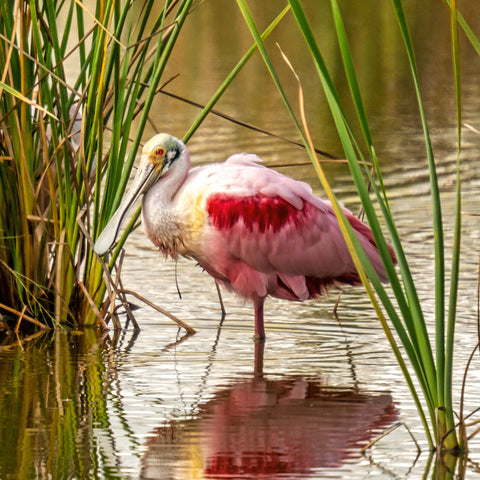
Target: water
{"x":168,"y":406}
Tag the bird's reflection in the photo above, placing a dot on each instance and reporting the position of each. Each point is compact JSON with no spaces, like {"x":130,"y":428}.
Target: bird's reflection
{"x":269,"y":427}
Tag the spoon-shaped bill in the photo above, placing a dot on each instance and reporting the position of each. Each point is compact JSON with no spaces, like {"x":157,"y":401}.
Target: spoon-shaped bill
{"x":109,"y":234}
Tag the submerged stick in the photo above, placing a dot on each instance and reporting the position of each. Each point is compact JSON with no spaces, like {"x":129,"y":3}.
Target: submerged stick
{"x":387,"y":432}
{"x":161,"y":310}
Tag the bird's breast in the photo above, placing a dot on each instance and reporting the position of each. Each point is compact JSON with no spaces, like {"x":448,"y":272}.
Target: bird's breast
{"x":174,"y":228}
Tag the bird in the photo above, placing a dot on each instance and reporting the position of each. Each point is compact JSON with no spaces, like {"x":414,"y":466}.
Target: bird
{"x":257,"y":232}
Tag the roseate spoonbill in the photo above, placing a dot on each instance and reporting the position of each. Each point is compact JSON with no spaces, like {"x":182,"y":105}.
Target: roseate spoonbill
{"x":254,"y":230}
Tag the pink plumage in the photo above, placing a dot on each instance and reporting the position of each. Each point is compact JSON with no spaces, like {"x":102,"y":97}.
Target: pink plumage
{"x":256,"y":231}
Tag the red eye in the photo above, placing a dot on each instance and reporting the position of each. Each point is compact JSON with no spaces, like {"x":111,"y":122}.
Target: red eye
{"x":159,"y":152}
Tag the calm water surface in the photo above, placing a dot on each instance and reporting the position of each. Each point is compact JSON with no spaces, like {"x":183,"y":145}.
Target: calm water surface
{"x":162,"y":405}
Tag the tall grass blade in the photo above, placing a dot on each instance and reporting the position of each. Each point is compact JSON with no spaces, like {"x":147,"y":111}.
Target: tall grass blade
{"x":247,"y":15}
{"x":436,"y":213}
{"x":473,"y":39}
{"x":455,"y":268}
{"x":365,"y":270}
{"x":350,"y":148}
{"x":432,"y":371}
{"x":221,"y":90}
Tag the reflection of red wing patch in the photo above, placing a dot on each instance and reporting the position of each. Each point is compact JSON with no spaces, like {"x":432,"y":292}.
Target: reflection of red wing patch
{"x":261,"y":211}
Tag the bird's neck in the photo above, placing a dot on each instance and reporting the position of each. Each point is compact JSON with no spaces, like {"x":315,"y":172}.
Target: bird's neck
{"x":164,"y":191}
{"x":161,"y":220}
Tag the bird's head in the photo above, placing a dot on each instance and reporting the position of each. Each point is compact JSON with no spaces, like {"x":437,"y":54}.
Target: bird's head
{"x":158,"y":157}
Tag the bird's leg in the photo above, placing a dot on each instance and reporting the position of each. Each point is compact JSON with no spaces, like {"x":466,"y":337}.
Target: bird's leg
{"x":258,"y":365}
{"x":259,"y":327}
{"x":220,"y":299}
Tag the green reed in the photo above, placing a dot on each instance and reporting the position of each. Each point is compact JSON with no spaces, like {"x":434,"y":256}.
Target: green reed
{"x":430,"y":362}
{"x":69,"y":141}
{"x":76,"y":88}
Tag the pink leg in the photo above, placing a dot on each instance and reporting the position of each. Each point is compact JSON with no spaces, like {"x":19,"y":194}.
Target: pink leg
{"x":259,"y":327}
{"x":258,"y":365}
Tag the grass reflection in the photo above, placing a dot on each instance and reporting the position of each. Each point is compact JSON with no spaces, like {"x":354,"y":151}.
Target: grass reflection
{"x":55,"y":421}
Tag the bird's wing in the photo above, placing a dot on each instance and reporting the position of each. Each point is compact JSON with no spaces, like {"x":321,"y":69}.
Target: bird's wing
{"x":271,"y":234}
{"x":259,"y":218}
{"x":241,"y":175}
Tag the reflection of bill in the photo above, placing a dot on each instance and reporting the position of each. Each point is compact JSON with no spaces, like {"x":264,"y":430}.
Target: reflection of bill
{"x":267,"y":428}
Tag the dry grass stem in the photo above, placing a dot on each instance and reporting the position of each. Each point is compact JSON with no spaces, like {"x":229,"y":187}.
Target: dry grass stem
{"x":161,"y":310}
{"x":24,"y":316}
{"x":90,"y":301}
{"x":20,"y":318}
{"x":329,"y":158}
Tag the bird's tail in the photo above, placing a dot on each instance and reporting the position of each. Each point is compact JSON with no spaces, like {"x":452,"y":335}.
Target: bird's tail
{"x":365,"y":236}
